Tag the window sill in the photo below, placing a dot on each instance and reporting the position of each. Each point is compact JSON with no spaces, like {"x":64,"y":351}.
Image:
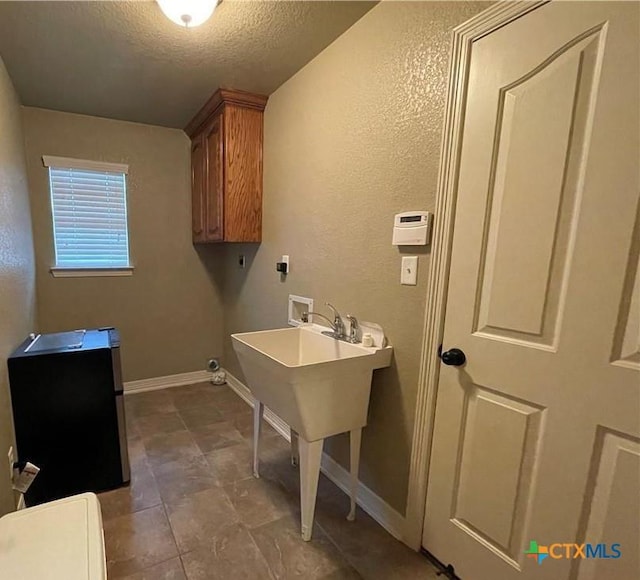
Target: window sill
{"x":90,"y":272}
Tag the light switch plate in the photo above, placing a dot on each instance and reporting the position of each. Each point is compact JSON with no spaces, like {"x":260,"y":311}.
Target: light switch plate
{"x":409,"y":272}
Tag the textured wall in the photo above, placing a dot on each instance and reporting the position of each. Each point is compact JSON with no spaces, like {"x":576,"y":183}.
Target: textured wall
{"x":351,"y":140}
{"x":169,"y":312}
{"x":17,"y":274}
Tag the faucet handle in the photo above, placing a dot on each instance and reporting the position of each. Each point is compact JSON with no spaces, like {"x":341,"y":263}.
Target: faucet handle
{"x":337,"y":319}
{"x":336,"y":314}
{"x":354,"y":329}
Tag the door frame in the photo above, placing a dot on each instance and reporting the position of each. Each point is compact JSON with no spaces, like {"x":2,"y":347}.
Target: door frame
{"x":463,"y":37}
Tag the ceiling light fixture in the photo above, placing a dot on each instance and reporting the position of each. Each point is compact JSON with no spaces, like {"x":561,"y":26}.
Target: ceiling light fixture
{"x":188,"y":13}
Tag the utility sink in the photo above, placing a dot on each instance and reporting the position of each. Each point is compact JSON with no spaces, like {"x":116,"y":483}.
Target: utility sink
{"x":320,"y":387}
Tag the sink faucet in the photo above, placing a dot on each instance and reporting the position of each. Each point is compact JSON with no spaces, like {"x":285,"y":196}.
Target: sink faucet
{"x":305,"y":318}
{"x":337,"y":325}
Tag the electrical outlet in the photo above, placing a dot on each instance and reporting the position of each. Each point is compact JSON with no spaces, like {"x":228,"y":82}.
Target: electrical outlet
{"x":11,"y":459}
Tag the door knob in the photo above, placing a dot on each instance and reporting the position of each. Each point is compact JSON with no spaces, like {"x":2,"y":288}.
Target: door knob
{"x":453,"y":357}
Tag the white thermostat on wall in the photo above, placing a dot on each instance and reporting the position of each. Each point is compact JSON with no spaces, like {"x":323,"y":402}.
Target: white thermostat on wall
{"x":411,"y":228}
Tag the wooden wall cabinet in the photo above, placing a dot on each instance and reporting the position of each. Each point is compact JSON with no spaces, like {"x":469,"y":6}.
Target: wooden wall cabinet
{"x":226,"y":168}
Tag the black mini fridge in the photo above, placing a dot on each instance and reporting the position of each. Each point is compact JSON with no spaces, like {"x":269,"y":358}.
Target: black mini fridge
{"x":68,"y":411}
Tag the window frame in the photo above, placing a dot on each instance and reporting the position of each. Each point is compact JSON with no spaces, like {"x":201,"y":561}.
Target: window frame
{"x":54,"y":162}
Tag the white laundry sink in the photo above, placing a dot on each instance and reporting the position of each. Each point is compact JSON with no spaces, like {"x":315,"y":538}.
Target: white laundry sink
{"x":318,"y":385}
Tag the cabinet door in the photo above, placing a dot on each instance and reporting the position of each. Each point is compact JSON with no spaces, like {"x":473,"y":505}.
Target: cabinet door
{"x":198,"y":169}
{"x":243,"y":174}
{"x":214,"y":180}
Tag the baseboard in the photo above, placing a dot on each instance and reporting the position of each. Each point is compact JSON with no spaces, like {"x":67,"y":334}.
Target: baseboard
{"x":157,"y":383}
{"x":390,"y":519}
{"x":373,"y":504}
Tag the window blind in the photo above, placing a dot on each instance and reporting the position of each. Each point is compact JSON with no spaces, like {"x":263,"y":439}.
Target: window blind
{"x":89,"y":208}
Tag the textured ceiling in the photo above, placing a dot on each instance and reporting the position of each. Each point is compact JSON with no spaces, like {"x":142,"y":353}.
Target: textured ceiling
{"x":126,"y":60}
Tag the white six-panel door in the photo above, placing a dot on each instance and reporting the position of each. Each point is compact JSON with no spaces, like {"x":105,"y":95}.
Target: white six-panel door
{"x":537,"y":436}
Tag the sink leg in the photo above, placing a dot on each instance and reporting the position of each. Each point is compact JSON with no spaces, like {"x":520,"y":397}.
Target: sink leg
{"x":355,"y":437}
{"x":258,"y":411}
{"x":295,"y":453}
{"x":310,"y":455}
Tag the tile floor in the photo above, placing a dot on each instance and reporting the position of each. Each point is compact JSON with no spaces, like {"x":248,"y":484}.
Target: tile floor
{"x":193,"y":510}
